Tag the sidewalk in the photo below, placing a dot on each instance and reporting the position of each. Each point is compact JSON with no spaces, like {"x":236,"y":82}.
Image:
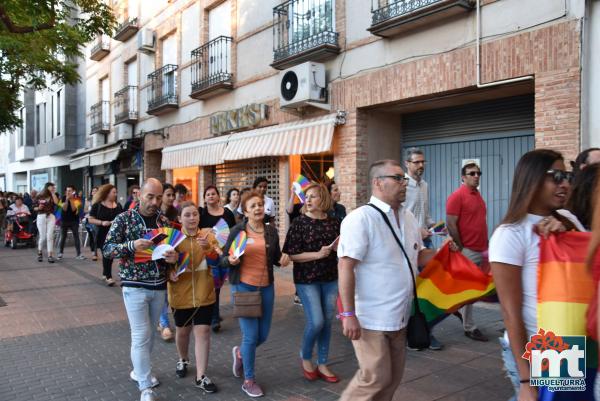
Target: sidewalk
{"x":64,"y":336}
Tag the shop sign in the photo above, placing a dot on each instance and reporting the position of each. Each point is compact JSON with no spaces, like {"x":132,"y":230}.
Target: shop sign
{"x":237,"y":119}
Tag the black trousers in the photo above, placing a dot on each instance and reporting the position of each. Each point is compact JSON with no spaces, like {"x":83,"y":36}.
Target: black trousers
{"x":74,"y":227}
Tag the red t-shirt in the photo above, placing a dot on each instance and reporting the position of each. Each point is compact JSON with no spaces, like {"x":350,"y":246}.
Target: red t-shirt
{"x":469,"y":206}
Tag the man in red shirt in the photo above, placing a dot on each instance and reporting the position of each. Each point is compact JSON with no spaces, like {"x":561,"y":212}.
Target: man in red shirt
{"x":466,"y":222}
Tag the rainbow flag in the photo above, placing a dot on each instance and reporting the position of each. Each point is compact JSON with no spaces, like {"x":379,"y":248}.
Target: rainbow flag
{"x":58,"y":210}
{"x":439,"y":228}
{"x":565,"y":289}
{"x":300,"y":185}
{"x":450,"y":281}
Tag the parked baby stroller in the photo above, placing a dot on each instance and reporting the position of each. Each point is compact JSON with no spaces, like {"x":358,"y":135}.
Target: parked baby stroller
{"x":17,"y":232}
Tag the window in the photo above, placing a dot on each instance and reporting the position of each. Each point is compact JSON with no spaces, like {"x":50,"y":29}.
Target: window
{"x":58,"y":112}
{"x":38,"y":136}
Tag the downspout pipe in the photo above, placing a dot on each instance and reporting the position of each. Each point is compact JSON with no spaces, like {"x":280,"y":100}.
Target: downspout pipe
{"x":478,"y":60}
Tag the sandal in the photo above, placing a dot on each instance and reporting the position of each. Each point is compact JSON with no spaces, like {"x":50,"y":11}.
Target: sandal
{"x":95,"y":258}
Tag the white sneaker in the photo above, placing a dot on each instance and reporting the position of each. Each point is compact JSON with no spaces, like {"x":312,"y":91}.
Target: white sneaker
{"x":60,"y":256}
{"x":148,"y":395}
{"x":80,"y":257}
{"x":153,"y":379}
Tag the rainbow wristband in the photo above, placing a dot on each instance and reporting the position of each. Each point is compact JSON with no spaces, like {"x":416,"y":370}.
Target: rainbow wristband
{"x":345,"y":314}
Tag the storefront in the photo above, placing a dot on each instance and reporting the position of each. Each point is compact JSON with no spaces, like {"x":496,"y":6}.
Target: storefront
{"x":278,"y":152}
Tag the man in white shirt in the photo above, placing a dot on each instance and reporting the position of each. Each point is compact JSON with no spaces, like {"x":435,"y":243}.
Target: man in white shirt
{"x":417,"y":201}
{"x":376,"y":288}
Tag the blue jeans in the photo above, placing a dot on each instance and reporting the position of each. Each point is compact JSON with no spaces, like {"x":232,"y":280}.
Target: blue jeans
{"x":255,"y":330}
{"x":318,"y":300}
{"x":143,"y":310}
{"x":164,"y":314}
{"x":510,"y":367}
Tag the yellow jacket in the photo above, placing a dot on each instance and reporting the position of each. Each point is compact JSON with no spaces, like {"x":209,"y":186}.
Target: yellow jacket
{"x":195,"y":286}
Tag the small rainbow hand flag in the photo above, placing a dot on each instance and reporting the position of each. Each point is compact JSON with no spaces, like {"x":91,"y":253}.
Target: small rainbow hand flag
{"x":439,"y":228}
{"x":238,"y":246}
{"x":221,"y":231}
{"x":183,"y":262}
{"x":174,"y":237}
{"x":300,"y":185}
{"x":58,"y":213}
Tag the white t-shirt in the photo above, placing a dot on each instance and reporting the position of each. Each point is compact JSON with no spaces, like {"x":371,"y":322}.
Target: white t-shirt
{"x":383,"y":289}
{"x":517,"y":244}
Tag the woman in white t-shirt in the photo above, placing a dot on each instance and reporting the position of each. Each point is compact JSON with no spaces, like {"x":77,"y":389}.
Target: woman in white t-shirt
{"x":540,"y":189}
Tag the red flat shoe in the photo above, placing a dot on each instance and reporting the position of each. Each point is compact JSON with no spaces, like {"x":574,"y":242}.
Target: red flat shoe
{"x":328,"y":379}
{"x":308,"y":375}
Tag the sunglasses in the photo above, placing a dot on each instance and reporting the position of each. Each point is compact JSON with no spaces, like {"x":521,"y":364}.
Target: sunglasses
{"x":474,"y":173}
{"x":397,"y":177}
{"x":558,"y":176}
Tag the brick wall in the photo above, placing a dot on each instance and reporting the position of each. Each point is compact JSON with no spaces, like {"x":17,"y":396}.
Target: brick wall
{"x":551,"y":54}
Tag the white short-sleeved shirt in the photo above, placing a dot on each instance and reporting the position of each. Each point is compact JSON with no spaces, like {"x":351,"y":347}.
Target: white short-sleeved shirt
{"x":517,"y":244}
{"x":383,"y":290}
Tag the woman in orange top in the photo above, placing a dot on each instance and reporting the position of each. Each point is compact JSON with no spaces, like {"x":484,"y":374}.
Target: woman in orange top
{"x":192,"y":297}
{"x":253,"y":271}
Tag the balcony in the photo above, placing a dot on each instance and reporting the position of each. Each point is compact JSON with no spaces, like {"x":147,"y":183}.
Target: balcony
{"x":393,"y":17}
{"x":100,"y":116}
{"x":101,"y":48}
{"x":125,"y":107}
{"x":303,"y":30}
{"x":211,"y":68}
{"x":162,"y":92}
{"x":126,"y":29}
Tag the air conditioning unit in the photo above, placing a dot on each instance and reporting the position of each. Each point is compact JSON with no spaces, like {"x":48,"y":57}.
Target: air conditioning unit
{"x":303,"y":85}
{"x":146,"y":40}
{"x":123,"y":131}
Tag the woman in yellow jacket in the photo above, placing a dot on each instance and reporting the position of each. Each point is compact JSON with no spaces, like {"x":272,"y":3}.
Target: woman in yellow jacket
{"x":192,"y":296}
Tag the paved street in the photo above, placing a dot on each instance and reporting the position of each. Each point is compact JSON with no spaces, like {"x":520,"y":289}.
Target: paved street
{"x":64,"y":336}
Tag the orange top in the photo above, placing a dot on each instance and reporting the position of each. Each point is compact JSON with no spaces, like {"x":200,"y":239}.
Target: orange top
{"x":253,"y":270}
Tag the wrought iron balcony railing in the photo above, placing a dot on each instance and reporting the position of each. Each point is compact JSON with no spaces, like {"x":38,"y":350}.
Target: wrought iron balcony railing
{"x":100,"y":117}
{"x":101,"y":48}
{"x":211,"y":68}
{"x":126,"y":29}
{"x":125,"y":108}
{"x":390,"y":17}
{"x":162,"y":92}
{"x":303,"y":30}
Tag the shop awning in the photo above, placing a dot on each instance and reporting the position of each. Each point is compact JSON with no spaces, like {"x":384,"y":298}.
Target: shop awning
{"x":79,"y":162}
{"x":205,"y":152}
{"x":313,"y":135}
{"x":105,"y":156}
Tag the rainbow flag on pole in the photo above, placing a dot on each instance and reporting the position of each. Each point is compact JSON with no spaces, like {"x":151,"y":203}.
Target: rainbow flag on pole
{"x":565,"y":289}
{"x":300,"y":185}
{"x":450,"y":281}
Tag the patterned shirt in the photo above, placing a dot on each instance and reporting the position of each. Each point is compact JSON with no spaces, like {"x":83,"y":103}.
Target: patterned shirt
{"x":309,"y":235}
{"x":417,"y":201}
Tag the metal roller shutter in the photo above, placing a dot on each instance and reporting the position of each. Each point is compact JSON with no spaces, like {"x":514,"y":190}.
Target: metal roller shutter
{"x":497,"y":133}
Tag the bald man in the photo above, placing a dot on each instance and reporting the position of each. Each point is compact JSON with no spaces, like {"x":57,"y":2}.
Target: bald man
{"x":144,"y":284}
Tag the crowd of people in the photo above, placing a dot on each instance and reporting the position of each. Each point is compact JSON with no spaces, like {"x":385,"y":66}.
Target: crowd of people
{"x":380,"y":245}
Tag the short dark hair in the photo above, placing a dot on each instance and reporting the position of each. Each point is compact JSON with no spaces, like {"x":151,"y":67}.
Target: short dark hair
{"x":208,"y":188}
{"x":582,"y":158}
{"x":413,"y":151}
{"x":581,"y":201}
{"x":181,"y":189}
{"x":463,"y":170}
{"x":228,"y":196}
{"x":259,"y":180}
{"x":72,"y":187}
{"x":166,"y":186}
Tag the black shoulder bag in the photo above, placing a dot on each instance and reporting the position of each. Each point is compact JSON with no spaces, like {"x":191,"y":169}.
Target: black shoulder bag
{"x":417,"y":331}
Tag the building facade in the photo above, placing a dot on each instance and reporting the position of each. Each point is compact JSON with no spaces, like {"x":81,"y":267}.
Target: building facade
{"x":222,"y":91}
{"x":39,"y":151}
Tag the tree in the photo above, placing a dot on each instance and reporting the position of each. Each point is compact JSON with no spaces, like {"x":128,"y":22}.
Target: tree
{"x":40,"y":43}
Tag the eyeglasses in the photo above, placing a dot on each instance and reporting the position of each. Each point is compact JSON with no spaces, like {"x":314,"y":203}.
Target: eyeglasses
{"x":559,"y":175}
{"x":397,"y":177}
{"x":423,"y":162}
{"x":474,"y":173}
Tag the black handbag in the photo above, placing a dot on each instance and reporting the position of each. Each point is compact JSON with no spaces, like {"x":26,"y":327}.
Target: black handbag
{"x":417,"y":332}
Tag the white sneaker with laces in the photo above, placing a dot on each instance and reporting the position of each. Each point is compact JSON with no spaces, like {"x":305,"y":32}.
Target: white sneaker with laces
{"x":148,"y":395}
{"x":153,"y":379}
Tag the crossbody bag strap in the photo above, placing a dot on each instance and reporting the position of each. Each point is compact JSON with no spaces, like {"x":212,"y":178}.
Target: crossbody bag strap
{"x":412,"y":276}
